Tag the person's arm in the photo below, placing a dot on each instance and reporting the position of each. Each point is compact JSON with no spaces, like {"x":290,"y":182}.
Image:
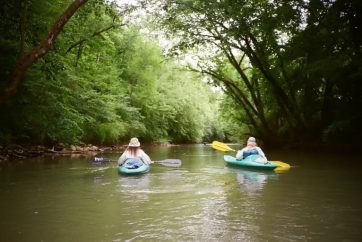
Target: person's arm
{"x":239,"y":154}
{"x":261,"y":153}
{"x":145,"y":158}
{"x":122,"y":158}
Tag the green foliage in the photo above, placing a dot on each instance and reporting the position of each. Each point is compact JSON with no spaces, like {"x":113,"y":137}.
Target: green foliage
{"x":109,"y":132}
{"x":301,"y":75}
{"x":290,"y":71}
{"x":99,"y":88}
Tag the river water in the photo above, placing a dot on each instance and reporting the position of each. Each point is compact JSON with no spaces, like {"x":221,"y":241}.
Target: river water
{"x":71,"y":199}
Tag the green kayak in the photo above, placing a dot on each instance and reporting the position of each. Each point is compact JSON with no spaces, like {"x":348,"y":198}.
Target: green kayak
{"x":133,"y":167}
{"x":249,"y":162}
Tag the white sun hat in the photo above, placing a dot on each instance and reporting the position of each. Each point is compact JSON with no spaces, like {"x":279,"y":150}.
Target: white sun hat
{"x":134,"y":143}
{"x":251,"y":139}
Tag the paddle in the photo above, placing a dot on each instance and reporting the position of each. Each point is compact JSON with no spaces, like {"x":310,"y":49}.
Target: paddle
{"x":221,"y":146}
{"x":166,"y":162}
{"x":224,"y":147}
{"x":169,"y":162}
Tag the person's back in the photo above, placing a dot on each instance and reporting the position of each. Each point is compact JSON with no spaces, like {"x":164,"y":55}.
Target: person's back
{"x":134,"y":151}
{"x":250,"y":149}
{"x":248,"y":152}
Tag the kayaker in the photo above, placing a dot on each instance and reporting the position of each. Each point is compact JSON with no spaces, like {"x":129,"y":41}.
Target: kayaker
{"x":250,"y":149}
{"x":134,"y":151}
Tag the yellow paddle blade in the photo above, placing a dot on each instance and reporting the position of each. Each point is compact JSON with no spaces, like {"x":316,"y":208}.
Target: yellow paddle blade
{"x":281,"y":169}
{"x":221,"y":146}
{"x":280,"y":164}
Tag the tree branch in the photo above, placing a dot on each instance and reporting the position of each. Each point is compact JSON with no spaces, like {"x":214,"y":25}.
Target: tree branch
{"x":97,"y":33}
{"x":43,"y":48}
{"x":22,"y":28}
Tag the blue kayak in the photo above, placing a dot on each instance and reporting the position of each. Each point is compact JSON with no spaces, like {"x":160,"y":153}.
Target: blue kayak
{"x":249,"y":162}
{"x":133,"y":166}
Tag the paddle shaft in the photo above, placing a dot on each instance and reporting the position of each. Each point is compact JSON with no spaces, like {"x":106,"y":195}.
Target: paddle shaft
{"x":166,"y":162}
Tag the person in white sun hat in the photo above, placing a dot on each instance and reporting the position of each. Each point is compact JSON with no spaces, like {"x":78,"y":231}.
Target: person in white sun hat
{"x":134,"y":151}
{"x":251,"y":148}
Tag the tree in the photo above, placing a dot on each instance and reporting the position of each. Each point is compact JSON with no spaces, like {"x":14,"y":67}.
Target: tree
{"x":102,"y":87}
{"x":277,"y":60}
{"x":27,"y":59}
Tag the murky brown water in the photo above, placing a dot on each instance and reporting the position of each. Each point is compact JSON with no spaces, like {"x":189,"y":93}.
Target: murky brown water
{"x":71,"y":199}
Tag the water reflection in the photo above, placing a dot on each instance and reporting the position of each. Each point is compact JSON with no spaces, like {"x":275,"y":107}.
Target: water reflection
{"x":135,"y":187}
{"x":251,"y":181}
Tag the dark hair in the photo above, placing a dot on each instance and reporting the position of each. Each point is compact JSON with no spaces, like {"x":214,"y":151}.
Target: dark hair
{"x":133,"y":150}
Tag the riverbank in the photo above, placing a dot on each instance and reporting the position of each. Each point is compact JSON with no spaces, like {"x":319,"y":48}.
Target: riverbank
{"x":19,"y":152}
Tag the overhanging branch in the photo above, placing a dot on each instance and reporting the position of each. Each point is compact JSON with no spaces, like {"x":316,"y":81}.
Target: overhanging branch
{"x":97,"y":33}
{"x":36,"y":53}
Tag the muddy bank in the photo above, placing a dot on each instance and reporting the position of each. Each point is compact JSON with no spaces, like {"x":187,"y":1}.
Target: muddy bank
{"x":21,"y":152}
{"x":18,"y":152}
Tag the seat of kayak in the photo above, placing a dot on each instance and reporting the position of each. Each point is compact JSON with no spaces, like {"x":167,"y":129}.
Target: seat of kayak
{"x":132,"y":164}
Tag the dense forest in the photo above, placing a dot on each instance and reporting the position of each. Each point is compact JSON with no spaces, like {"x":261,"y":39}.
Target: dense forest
{"x":287,"y":72}
{"x":101,"y":82}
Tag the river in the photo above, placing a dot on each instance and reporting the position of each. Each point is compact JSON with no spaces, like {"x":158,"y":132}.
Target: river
{"x":71,"y":199}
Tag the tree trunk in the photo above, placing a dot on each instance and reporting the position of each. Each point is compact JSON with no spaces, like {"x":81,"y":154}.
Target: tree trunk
{"x":25,"y":61}
{"x":237,"y":94}
{"x":288,"y":107}
{"x":326,"y":109}
{"x":259,"y":112}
